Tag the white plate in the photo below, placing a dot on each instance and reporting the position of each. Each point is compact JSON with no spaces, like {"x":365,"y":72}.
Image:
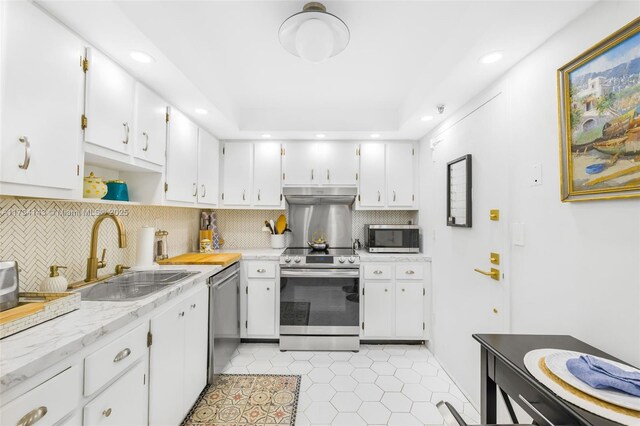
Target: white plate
{"x":531,"y":360}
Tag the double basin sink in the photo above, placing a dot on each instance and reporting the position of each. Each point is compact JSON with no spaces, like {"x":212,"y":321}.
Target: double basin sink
{"x":133,"y":285}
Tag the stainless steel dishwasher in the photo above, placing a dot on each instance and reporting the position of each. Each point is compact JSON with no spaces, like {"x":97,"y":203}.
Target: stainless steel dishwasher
{"x":224,"y":318}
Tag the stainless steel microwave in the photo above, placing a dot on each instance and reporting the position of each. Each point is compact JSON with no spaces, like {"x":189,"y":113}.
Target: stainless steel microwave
{"x":392,"y":238}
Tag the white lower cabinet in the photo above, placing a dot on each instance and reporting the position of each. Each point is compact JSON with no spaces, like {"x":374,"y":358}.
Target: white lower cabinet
{"x":47,"y":403}
{"x":122,"y":403}
{"x":260,"y":299}
{"x":178,"y":358}
{"x":394,"y":302}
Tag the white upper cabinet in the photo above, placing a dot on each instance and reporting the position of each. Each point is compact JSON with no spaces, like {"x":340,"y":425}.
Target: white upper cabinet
{"x":151,"y":126}
{"x":109,"y":104}
{"x":300,"y":166}
{"x":400,"y":192}
{"x":337,"y":163}
{"x":237,"y":174}
{"x":208,"y":168}
{"x":267,"y":173}
{"x":372,"y":175}
{"x":182,"y":154}
{"x":41,"y":104}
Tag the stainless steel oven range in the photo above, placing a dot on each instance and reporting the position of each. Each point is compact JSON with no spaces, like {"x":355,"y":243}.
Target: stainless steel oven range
{"x":319,"y":299}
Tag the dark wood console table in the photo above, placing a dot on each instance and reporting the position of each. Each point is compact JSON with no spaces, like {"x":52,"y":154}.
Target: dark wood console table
{"x":502,"y":364}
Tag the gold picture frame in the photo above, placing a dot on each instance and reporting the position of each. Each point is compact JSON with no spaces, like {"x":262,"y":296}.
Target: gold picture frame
{"x":599,"y":119}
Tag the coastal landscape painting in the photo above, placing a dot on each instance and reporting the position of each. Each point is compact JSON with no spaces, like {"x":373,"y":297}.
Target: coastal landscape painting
{"x":600,"y":119}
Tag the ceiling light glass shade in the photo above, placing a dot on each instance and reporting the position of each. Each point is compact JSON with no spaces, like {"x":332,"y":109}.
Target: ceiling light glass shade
{"x":314,"y":34}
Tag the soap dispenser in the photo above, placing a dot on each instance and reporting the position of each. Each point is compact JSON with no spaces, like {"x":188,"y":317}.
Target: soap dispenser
{"x":54,"y":283}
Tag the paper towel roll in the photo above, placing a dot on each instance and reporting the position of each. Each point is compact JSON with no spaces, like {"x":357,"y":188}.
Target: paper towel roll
{"x":144,"y":247}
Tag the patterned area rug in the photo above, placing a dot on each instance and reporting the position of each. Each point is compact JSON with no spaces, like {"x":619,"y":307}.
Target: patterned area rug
{"x":247,"y":399}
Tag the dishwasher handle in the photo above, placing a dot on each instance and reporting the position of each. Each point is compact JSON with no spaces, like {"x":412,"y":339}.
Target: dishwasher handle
{"x":219,"y":284}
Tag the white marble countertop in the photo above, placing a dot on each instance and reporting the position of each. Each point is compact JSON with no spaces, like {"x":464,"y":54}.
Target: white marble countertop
{"x":31,"y":351}
{"x":255,"y":253}
{"x":365,"y":256}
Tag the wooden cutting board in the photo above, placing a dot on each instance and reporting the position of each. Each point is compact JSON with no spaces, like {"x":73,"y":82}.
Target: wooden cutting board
{"x":222,"y":259}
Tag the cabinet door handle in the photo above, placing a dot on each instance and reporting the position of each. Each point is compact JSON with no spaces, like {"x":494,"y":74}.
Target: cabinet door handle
{"x":394,"y":195}
{"x":311,"y":174}
{"x":181,"y":314}
{"x":107,"y":412}
{"x":377,"y":272}
{"x":244,"y":194}
{"x":193,"y":306}
{"x":378,"y":196}
{"x":386,"y":290}
{"x":328,"y":175}
{"x":126,"y":133}
{"x":32,"y":417}
{"x":268,"y":289}
{"x":204,"y":191}
{"x":409,"y":272}
{"x":258,"y":195}
{"x":403,"y":289}
{"x":27,"y":153}
{"x":261,"y":271}
{"x":146,"y":141}
{"x":122,"y":355}
{"x":195,"y":190}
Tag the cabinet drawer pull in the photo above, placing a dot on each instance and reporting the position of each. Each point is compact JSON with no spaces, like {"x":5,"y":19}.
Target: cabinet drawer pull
{"x":403,"y":289}
{"x":126,"y":133}
{"x":386,"y":290}
{"x":377,"y":272}
{"x":146,"y":142}
{"x":409,"y":272}
{"x":261,"y":270}
{"x":107,"y":412}
{"x":32,"y":417}
{"x":27,"y":153}
{"x":122,"y":355}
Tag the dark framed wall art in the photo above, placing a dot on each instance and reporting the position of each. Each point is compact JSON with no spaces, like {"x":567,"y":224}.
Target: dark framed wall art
{"x":459,"y":192}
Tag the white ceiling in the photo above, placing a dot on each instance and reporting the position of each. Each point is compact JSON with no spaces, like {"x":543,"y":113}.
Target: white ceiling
{"x":404,"y":58}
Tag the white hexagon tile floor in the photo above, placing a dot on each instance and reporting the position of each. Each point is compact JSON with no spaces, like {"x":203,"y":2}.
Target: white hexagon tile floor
{"x":380,"y":385}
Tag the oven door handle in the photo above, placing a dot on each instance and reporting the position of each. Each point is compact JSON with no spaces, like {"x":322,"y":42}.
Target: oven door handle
{"x":320,"y":273}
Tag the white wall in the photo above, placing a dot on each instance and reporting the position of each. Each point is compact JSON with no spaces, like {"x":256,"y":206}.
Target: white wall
{"x":578,"y":272}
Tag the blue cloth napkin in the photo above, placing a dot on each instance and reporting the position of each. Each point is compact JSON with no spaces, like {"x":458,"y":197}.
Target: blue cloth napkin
{"x":601,"y":375}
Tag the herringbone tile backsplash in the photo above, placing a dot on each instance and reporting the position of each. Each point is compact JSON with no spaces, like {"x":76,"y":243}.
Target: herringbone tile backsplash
{"x":38,"y":233}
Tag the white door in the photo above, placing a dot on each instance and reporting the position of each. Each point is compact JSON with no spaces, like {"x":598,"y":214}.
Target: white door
{"x":261,"y":308}
{"x":300,"y":165}
{"x":109,"y":104}
{"x":41,"y":85}
{"x":151,"y":126}
{"x":337,"y":163}
{"x":481,"y":303}
{"x":267,"y":172}
{"x":409,"y":309}
{"x":372,"y":174}
{"x":166,"y":367}
{"x":400,"y":192}
{"x":122,"y":403}
{"x":182,"y":155}
{"x":196,"y":336}
{"x":237,"y":174}
{"x":208,"y":168}
{"x":378,"y":309}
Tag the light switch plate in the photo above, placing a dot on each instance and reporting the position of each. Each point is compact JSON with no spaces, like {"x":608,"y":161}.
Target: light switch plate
{"x":517,"y":234}
{"x":535,"y":178}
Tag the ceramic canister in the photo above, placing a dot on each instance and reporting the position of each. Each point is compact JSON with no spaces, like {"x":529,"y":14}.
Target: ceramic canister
{"x":117,"y":190}
{"x":94,"y":187}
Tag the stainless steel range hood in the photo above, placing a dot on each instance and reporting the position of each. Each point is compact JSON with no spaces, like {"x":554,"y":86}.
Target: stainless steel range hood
{"x":309,"y":195}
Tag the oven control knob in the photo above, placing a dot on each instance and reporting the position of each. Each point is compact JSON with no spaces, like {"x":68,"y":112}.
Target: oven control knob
{"x":352,"y":259}
{"x":297,"y":259}
{"x":287,"y":259}
{"x":341,"y":259}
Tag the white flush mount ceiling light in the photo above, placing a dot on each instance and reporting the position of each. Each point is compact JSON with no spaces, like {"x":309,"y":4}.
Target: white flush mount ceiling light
{"x":320,"y":135}
{"x":492,"y":57}
{"x":143,"y":58}
{"x":201,"y":111}
{"x":426,"y":118}
{"x":314,"y":34}
{"x":266,"y":136}
{"x":375,"y":135}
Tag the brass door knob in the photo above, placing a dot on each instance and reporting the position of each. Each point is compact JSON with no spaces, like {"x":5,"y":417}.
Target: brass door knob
{"x":494,"y":273}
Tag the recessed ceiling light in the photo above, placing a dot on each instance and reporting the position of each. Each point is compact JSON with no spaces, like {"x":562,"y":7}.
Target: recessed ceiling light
{"x":143,"y":58}
{"x":266,"y":135}
{"x":492,"y":57}
{"x":426,"y":118}
{"x":201,"y":111}
{"x":320,"y":135}
{"x":375,"y":135}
